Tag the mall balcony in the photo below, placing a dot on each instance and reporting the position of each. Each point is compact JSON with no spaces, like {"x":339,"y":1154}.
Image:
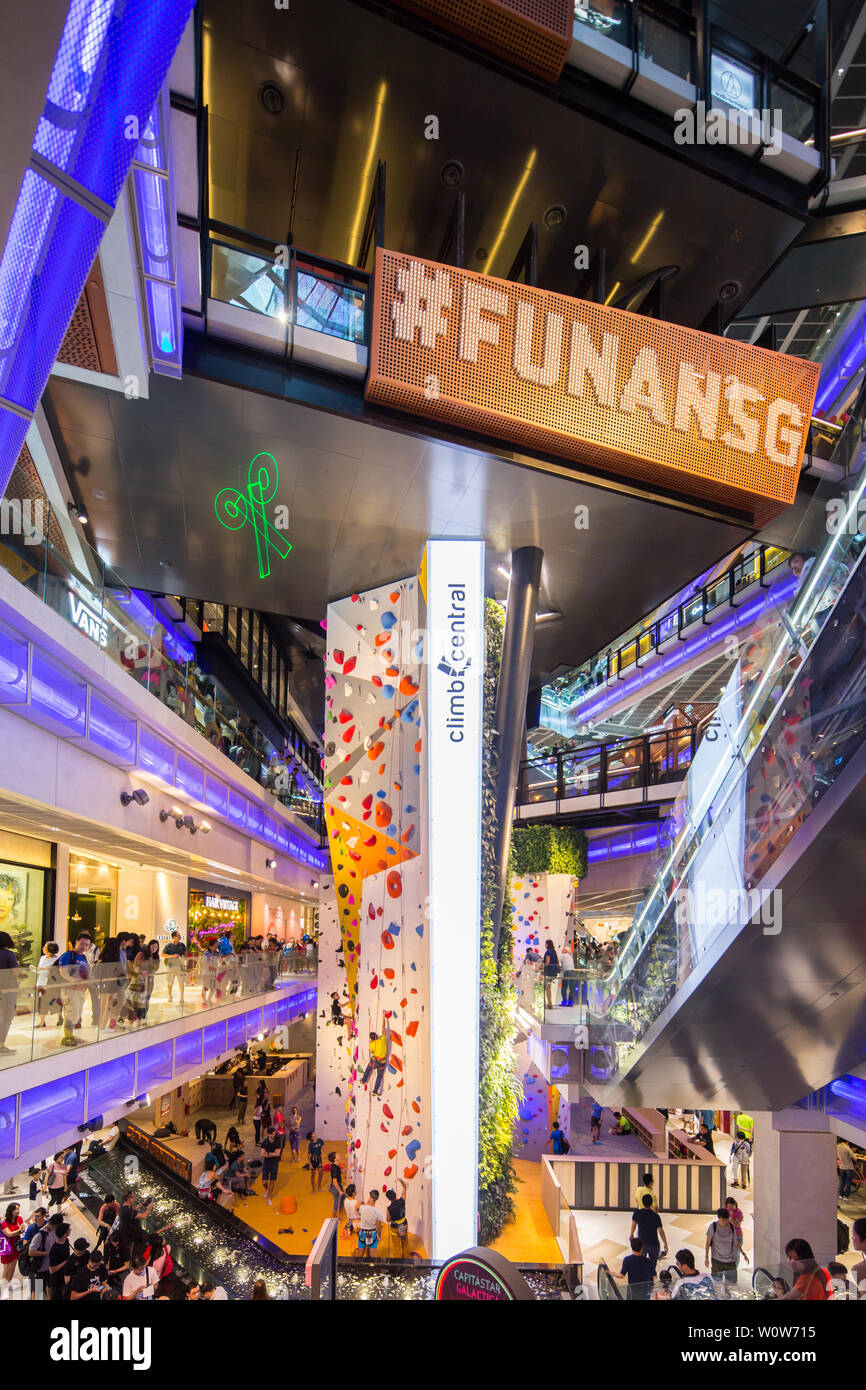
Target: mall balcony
{"x":86,"y":1052}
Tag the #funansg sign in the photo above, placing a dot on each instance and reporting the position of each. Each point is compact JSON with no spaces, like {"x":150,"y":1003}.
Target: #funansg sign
{"x":652,"y":402}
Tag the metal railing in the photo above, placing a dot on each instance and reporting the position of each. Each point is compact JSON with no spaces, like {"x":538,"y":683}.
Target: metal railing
{"x":752,"y":571}
{"x":634,"y":765}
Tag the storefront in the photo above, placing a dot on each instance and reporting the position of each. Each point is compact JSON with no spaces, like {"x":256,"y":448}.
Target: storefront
{"x":26,"y":894}
{"x":92,"y":899}
{"x":288,"y":919}
{"x":213,"y":907}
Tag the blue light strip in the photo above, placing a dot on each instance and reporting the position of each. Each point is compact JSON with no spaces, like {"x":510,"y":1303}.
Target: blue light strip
{"x":111,"y":63}
{"x":684,"y":651}
{"x":849,"y":358}
{"x":155,"y":223}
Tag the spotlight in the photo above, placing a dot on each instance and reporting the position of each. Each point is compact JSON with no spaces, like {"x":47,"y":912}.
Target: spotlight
{"x":190,"y":824}
{"x":314,"y":883}
{"x":139,"y":796}
{"x":78,"y":512}
{"x":270,"y":863}
{"x":204,"y":827}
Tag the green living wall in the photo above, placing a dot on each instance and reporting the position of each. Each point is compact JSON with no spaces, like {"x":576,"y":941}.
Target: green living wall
{"x":548,"y":849}
{"x":499,"y":1088}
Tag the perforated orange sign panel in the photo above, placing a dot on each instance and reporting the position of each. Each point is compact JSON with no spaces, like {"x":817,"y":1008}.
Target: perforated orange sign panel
{"x":651,"y":401}
{"x":532,"y":34}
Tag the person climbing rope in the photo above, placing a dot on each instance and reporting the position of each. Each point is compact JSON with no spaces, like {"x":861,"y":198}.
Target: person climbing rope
{"x":378,"y":1061}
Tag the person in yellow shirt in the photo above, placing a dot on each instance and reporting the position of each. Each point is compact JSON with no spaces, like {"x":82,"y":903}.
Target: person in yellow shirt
{"x":645,"y":1190}
{"x":378,"y":1062}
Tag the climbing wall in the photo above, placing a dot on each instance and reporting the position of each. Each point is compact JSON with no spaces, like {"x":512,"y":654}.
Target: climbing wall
{"x":391,"y":1137}
{"x":335,"y":1042}
{"x":541,"y":906}
{"x":375,"y":780}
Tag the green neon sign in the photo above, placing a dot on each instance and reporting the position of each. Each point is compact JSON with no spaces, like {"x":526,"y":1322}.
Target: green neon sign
{"x":235,"y":511}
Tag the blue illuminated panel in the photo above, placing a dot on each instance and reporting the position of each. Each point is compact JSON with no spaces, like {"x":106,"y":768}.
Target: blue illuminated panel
{"x":236,"y":1034}
{"x":269,"y":1018}
{"x":214,"y":1043}
{"x":110,"y":1084}
{"x":154,"y":1065}
{"x":13,"y":666}
{"x":7,"y":1127}
{"x":189,"y":778}
{"x":110,"y":66}
{"x":254,"y":818}
{"x":216,"y":795}
{"x":237,"y":808}
{"x":253,"y":1023}
{"x":111,"y":731}
{"x":187,"y":1051}
{"x":155,"y":755}
{"x":48,"y":1110}
{"x":55,"y":697}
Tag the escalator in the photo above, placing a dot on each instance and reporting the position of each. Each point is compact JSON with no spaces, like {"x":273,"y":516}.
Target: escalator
{"x":679,"y":654}
{"x":743,"y":971}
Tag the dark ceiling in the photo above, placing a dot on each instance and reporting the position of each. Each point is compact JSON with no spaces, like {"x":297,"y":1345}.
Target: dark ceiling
{"x":359,"y":87}
{"x":362,"y":500}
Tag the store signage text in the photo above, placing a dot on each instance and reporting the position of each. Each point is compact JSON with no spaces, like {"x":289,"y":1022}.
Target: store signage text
{"x":650,"y":400}
{"x":222,"y":904}
{"x":480,"y":1275}
{"x":88,"y":621}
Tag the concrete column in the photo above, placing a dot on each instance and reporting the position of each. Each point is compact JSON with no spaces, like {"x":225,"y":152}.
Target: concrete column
{"x":794,"y":1184}
{"x":511,"y":692}
{"x":61,"y":896}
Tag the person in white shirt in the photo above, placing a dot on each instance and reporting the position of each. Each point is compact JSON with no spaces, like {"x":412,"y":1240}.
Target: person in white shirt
{"x":214,"y":1293}
{"x":350,"y":1209}
{"x":569,"y":980}
{"x":140,"y":1282}
{"x":691,"y":1284}
{"x":48,"y":985}
{"x":369,"y":1219}
{"x":845,"y":1165}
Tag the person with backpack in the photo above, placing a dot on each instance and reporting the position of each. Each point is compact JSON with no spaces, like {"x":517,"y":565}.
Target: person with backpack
{"x":691,"y":1284}
{"x":741,"y":1157}
{"x":38,"y":1250}
{"x":558,"y":1140}
{"x":723,"y":1247}
{"x":108,"y":1214}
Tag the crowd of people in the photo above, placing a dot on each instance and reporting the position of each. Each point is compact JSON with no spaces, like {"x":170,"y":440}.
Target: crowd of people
{"x":118,"y":979}
{"x":580,"y":957}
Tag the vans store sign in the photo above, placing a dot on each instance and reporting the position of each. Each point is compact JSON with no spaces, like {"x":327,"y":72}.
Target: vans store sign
{"x":655,"y":403}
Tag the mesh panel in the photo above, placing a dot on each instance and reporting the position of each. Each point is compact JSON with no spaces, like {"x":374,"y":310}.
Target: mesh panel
{"x":533,"y":34}
{"x":419,"y":364}
{"x":13,"y":429}
{"x":78,"y":348}
{"x":109,"y":69}
{"x":49,"y":294}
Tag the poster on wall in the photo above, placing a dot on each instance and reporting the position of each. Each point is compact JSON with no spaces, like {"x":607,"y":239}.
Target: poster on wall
{"x":22,"y":902}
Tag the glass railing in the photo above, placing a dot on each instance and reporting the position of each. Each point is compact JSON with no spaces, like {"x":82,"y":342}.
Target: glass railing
{"x":307,"y":292}
{"x":792,"y":716}
{"x":621,"y":765}
{"x":123,"y":623}
{"x":745,"y":575}
{"x":764,"y":1284}
{"x":53,"y":1009}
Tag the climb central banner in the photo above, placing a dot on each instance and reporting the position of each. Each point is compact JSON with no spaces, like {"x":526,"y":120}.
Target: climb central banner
{"x":664,"y":406}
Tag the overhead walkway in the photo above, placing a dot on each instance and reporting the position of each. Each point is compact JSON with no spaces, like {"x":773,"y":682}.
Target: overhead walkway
{"x":748,"y":943}
{"x":618,"y":774}
{"x":682,"y":654}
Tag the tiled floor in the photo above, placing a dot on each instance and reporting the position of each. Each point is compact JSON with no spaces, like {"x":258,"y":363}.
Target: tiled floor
{"x":294,"y":1180}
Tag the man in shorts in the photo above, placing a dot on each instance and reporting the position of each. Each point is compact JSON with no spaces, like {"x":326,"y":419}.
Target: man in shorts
{"x":314,"y":1155}
{"x":595,"y":1122}
{"x":270,"y":1151}
{"x":368,"y":1225}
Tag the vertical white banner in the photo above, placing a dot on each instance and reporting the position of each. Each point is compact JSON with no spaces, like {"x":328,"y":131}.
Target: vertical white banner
{"x":455,"y":691}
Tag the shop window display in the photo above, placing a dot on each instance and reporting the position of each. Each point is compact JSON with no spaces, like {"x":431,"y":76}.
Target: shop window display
{"x":22,"y":909}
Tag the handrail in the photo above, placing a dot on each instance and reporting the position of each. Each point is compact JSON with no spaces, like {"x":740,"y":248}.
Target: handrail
{"x":673,"y":758}
{"x":766,"y":703}
{"x":738,"y":578}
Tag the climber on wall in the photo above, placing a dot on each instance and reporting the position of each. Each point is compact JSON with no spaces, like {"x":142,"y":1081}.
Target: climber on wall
{"x":377,"y":1061}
